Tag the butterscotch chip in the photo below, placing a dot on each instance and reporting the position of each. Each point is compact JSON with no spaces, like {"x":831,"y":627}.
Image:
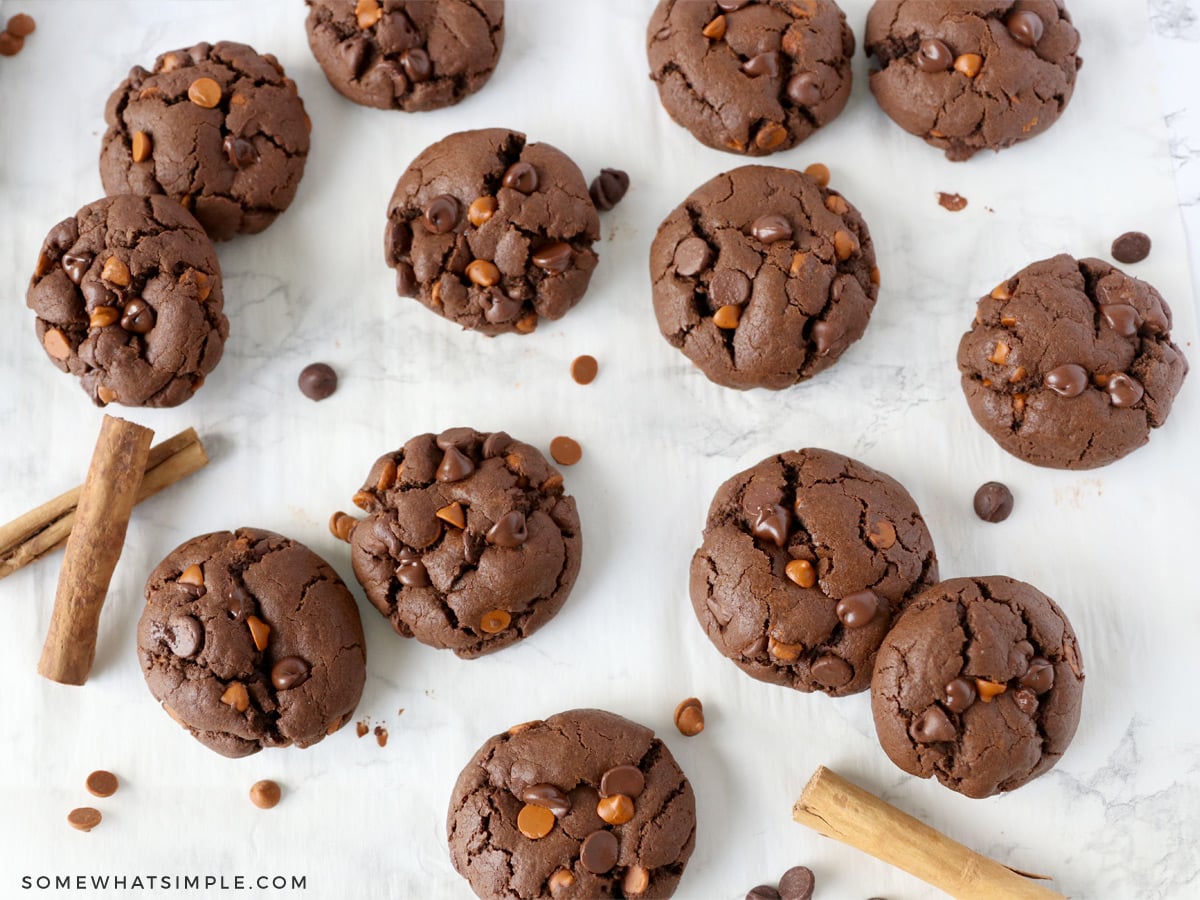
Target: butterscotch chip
{"x":105,"y":394}
{"x":819,"y":172}
{"x":770,"y":136}
{"x":483,"y":273}
{"x":260,"y":632}
{"x":875,"y":276}
{"x":341,"y":526}
{"x":495,"y":621}
{"x":801,"y":572}
{"x":102,"y":784}
{"x":882,"y":535}
{"x":265,"y":794}
{"x":784,"y":652}
{"x":798,"y":261}
{"x":844,"y":244}
{"x":969,"y":64}
{"x":999,"y":353}
{"x":84,"y":819}
{"x":10,"y":44}
{"x":689,"y":717}
{"x":989,"y":690}
{"x":727,"y":317}
{"x":115,"y":272}
{"x":103,"y":316}
{"x":836,"y":204}
{"x":480,"y":210}
{"x":584,"y":369}
{"x":527,"y":324}
{"x":192,"y":575}
{"x":615,"y":810}
{"x":140,"y":146}
{"x":535,"y":822}
{"x":1001,"y":292}
{"x":236,"y":696}
{"x":363,"y":499}
{"x":368,"y":13}
{"x":387,"y":475}
{"x":56,"y":344}
{"x":560,"y":881}
{"x":452,"y":514}
{"x":637,"y":879}
{"x":565,"y":451}
{"x":204,"y":92}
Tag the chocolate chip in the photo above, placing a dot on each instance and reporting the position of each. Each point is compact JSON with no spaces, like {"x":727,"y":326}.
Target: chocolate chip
{"x":547,"y":796}
{"x":1026,"y":27}
{"x":1131,"y":247}
{"x":771,"y":228}
{"x":598,"y":852}
{"x":857,"y":610}
{"x":1120,"y":317}
{"x":762,"y":892}
{"x":692,"y":256}
{"x":265,"y":794}
{"x":1019,"y":657}
{"x":495,"y":444}
{"x":185,"y":636}
{"x":84,"y":819}
{"x":317,"y":381}
{"x":1124,"y":391}
{"x":831,"y":671}
{"x":406,"y":280}
{"x":584,"y":369}
{"x":932,"y":727}
{"x":290,"y":672}
{"x":96,"y":294}
{"x":455,"y":466}
{"x":959,"y":694}
{"x":76,"y":265}
{"x":521,"y":176}
{"x":410,"y":570}
{"x":1026,"y":700}
{"x":607,"y":188}
{"x":729,"y":287}
{"x":138,"y":317}
{"x":554,"y":258}
{"x":102,"y":784}
{"x":1068,"y":380}
{"x":501,"y":307}
{"x":934,"y":56}
{"x":797,"y":883}
{"x":240,"y":151}
{"x":1039,"y":678}
{"x":510,"y":531}
{"x":417,"y":65}
{"x":732,"y":5}
{"x":627,"y":780}
{"x":441,"y":215}
{"x":238,"y":603}
{"x":993,"y":502}
{"x":21,"y":25}
{"x":10,"y":44}
{"x":762,"y":64}
{"x":773,"y":523}
{"x":460,"y":438}
{"x":565,"y":451}
{"x":804,"y":89}
{"x":824,"y":335}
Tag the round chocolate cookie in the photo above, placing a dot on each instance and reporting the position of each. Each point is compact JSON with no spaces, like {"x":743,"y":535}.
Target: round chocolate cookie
{"x":216,"y":126}
{"x":979,"y":684}
{"x":763,"y":278}
{"x":406,"y":54}
{"x":1069,"y":363}
{"x":250,"y":640}
{"x":969,"y":75}
{"x":585,"y":804}
{"x":806,"y":559}
{"x":751,"y":77}
{"x":128,"y":297}
{"x":470,"y":543}
{"x":491,"y":232}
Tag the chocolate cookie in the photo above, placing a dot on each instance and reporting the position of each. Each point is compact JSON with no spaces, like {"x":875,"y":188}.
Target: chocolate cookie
{"x":470,"y":543}
{"x":250,"y":640}
{"x":763,"y":277}
{"x":128,"y":297}
{"x":979,"y":684}
{"x":806,"y":559}
{"x":406,"y":54}
{"x":215,"y":126}
{"x":1069,"y":363}
{"x":747,"y":77}
{"x":584,"y":804}
{"x":969,"y":75}
{"x":491,"y":232}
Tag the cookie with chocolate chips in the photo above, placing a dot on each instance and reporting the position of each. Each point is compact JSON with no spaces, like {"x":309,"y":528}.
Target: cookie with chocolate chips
{"x":470,"y":542}
{"x":979,"y":684}
{"x":762,"y":277}
{"x":128,"y":298}
{"x":970,"y":75}
{"x":250,"y":640}
{"x":492,"y":232}
{"x":406,"y":54}
{"x":217,"y":127}
{"x":1069,"y":363}
{"x":807,"y":558}
{"x":583,"y":804}
{"x":751,"y":77}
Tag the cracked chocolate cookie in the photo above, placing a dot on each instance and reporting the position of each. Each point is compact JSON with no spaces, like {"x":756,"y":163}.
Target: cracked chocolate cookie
{"x":217,"y":127}
{"x":751,"y":77}
{"x":763,"y":278}
{"x":406,"y":54}
{"x":250,"y":640}
{"x":492,"y":232}
{"x":128,"y":298}
{"x":979,"y":684}
{"x":469,"y":544}
{"x":584,"y":804}
{"x":969,"y":75}
{"x":807,"y":557}
{"x":1069,"y":363}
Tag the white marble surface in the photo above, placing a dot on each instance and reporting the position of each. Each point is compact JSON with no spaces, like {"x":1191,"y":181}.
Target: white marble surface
{"x":1116,"y":818}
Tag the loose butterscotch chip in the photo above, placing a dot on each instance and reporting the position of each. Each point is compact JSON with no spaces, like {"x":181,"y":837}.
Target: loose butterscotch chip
{"x":102,"y":784}
{"x":480,"y":210}
{"x":363,"y":499}
{"x":797,"y":265}
{"x":535,"y":822}
{"x":584,"y":369}
{"x":115,"y":272}
{"x":205,"y":93}
{"x":236,"y":696}
{"x":566,"y":451}
{"x":989,"y":690}
{"x":784,"y":652}
{"x":495,"y":621}
{"x":714,"y":30}
{"x":882,"y":535}
{"x":21,"y":25}
{"x":483,"y":273}
{"x":819,"y":172}
{"x":387,"y":476}
{"x":999,"y":353}
{"x":560,"y":881}
{"x":969,"y":64}
{"x":84,"y":819}
{"x":265,"y":794}
{"x":368,"y":12}
{"x":141,"y":146}
{"x":341,"y":526}
{"x":727,"y":317}
{"x":836,"y":204}
{"x":801,"y":572}
{"x":844,"y":244}
{"x":453,"y":514}
{"x":689,"y":717}
{"x":103,"y":316}
{"x":192,"y":575}
{"x":260,"y":631}
{"x":615,"y":810}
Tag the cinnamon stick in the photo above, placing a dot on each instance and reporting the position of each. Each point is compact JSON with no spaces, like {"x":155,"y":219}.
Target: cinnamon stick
{"x":40,"y":531}
{"x":105,"y":503}
{"x":845,"y":812}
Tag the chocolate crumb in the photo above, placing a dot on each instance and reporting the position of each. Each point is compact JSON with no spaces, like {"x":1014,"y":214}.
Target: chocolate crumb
{"x":381,"y":735}
{"x":362,"y":728}
{"x":952,"y":202}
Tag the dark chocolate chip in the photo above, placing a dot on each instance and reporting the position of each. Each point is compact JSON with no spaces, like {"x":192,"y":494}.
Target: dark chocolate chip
{"x":692,"y":256}
{"x":824,"y":334}
{"x":241,"y":152}
{"x":1040,"y":676}
{"x":993,"y":502}
{"x":627,"y":780}
{"x":138,"y":317}
{"x":417,"y":65}
{"x":959,"y":694}
{"x":932,"y":727}
{"x":548,"y":797}
{"x":317,"y":381}
{"x":729,"y":287}
{"x":804,"y":89}
{"x":238,"y":603}
{"x":607,"y":188}
{"x":771,"y":228}
{"x":501,"y":307}
{"x":934,"y":56}
{"x":831,"y":671}
{"x":473,"y":545}
{"x":554,"y":258}
{"x":510,"y":531}
{"x":773,"y":523}
{"x":290,"y":672}
{"x":521,"y":176}
{"x":455,"y":437}
{"x":762,"y":892}
{"x":185,"y":636}
{"x":1068,"y":380}
{"x":1131,"y":247}
{"x":441,"y":215}
{"x":762,"y":64}
{"x":406,"y":280}
{"x":1019,"y":657}
{"x":797,"y":883}
{"x":857,"y":610}
{"x":598,"y":852}
{"x":1124,"y":390}
{"x":1026,"y":700}
{"x":95,"y":293}
{"x":410,"y":570}
{"x":76,"y":265}
{"x":495,"y":444}
{"x":1121,"y":318}
{"x":455,"y":466}
{"x":732,"y":5}
{"x":1026,"y":27}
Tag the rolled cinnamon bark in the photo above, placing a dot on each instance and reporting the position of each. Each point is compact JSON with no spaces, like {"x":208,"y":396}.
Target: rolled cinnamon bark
{"x":845,"y":812}
{"x":93,"y":549}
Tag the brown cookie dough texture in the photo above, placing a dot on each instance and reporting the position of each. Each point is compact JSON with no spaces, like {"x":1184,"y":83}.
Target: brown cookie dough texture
{"x":1069,"y":363}
{"x":250,"y":640}
{"x":217,"y":127}
{"x":585,"y":804}
{"x":128,"y":297}
{"x":807,"y":557}
{"x":751,"y":77}
{"x":969,"y":75}
{"x":470,"y":543}
{"x":979,"y":684}
{"x":406,"y":54}
{"x":763,"y":278}
{"x":492,"y":232}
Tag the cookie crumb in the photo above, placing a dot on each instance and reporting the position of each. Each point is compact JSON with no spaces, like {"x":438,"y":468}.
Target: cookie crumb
{"x":362,"y":727}
{"x":566,"y":451}
{"x":85,"y":818}
{"x":584,"y":369}
{"x":102,"y":784}
{"x":1131,"y":247}
{"x":265,"y":794}
{"x":689,"y":717}
{"x":952,"y":202}
{"x":381,"y":735}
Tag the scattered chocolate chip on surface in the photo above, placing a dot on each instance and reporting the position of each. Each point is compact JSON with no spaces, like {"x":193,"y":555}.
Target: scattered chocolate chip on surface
{"x":1131,"y":247}
{"x":584,"y":369}
{"x":318,"y":381}
{"x":565,"y":450}
{"x":102,"y":784}
{"x":608,"y":188}
{"x":689,"y":717}
{"x":993,"y":501}
{"x":265,"y":794}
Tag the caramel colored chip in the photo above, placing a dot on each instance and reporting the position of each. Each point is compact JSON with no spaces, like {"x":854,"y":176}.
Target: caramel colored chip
{"x":1008,"y":321}
{"x":527,"y":323}
{"x":845,"y":244}
{"x":115,"y":272}
{"x":105,"y":394}
{"x":615,"y":810}
{"x":819,"y":172}
{"x":989,"y":690}
{"x":265,"y":794}
{"x":103,"y":316}
{"x":835,"y":204}
{"x":784,"y":652}
{"x":1001,"y":292}
{"x":141,"y":146}
{"x":1018,"y":374}
{"x":368,"y":13}
{"x":875,"y":276}
{"x":192,"y":575}
{"x":483,"y":273}
{"x":560,"y":881}
{"x":770,"y":136}
{"x":882,"y":535}
{"x":715,"y":30}
{"x":727,"y":317}
{"x":205,"y":93}
{"x":84,"y":819}
{"x":798,"y":262}
{"x":260,"y":631}
{"x":363,"y":500}
{"x":689,"y":717}
{"x":584,"y":369}
{"x":387,"y":476}
{"x":801,"y":572}
{"x":453,"y":514}
{"x":566,"y":451}
{"x":999,"y":353}
{"x":102,"y":784}
{"x":969,"y":64}
{"x":21,"y":25}
{"x":637,"y":879}
{"x":535,"y":822}
{"x":495,"y":621}
{"x":236,"y":696}
{"x":480,"y":210}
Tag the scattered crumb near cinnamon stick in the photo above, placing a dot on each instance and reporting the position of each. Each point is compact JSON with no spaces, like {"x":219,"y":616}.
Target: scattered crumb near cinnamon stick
{"x":381,"y":735}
